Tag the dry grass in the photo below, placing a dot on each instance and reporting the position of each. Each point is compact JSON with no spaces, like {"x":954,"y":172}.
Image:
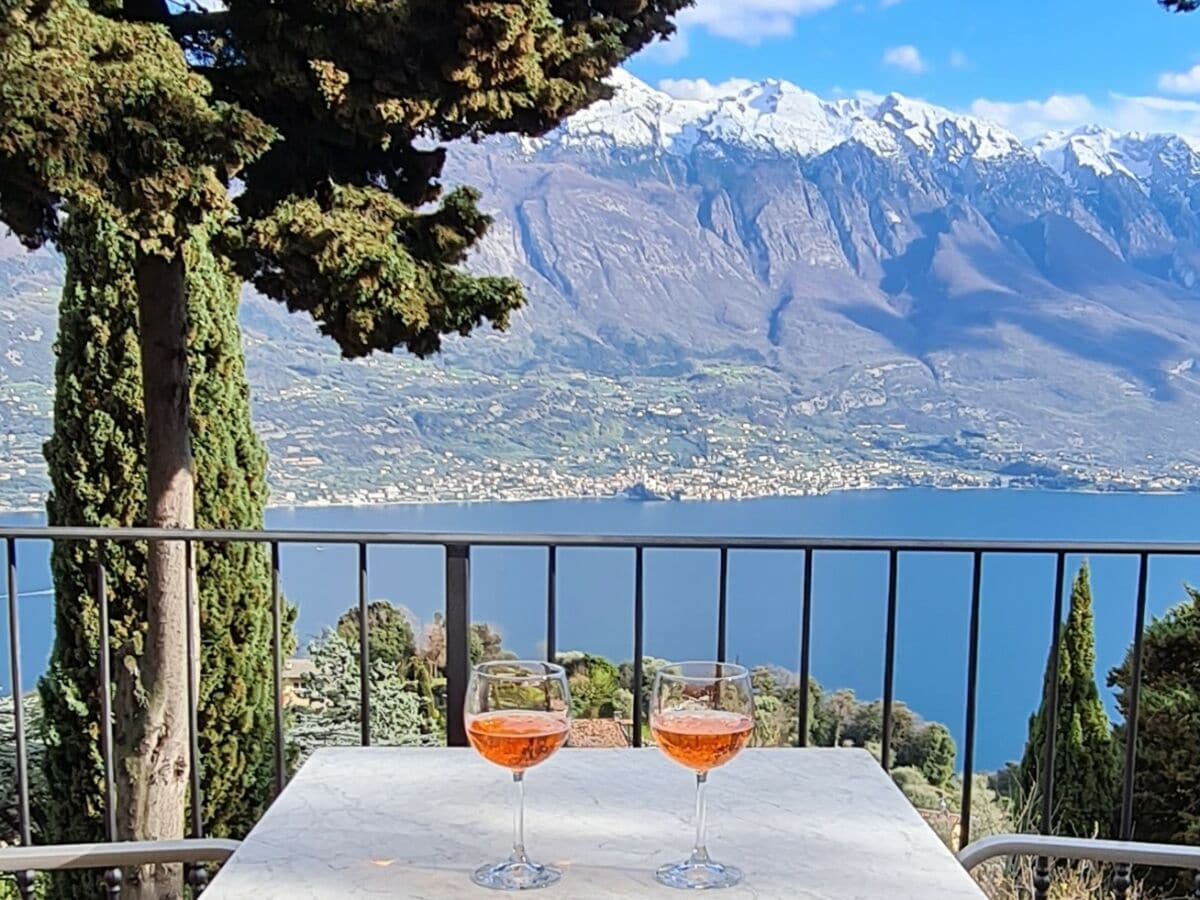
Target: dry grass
{"x":1012,"y":879}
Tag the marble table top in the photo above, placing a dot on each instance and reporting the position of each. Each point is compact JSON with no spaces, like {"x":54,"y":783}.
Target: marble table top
{"x":389,"y":822}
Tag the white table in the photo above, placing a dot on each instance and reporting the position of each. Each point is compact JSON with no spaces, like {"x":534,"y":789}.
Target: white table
{"x":802,"y":825}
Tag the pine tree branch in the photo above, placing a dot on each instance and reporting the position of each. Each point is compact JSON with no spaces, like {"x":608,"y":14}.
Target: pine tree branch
{"x":146,"y":11}
{"x":185,"y":24}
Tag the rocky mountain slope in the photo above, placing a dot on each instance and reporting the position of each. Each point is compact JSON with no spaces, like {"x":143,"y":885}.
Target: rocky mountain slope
{"x":868,"y":279}
{"x":883,"y":254}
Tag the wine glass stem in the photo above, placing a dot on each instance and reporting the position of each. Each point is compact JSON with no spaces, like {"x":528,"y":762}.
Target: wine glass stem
{"x":518,"y":851}
{"x":699,"y":850}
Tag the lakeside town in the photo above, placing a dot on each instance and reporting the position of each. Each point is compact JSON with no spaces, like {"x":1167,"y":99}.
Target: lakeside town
{"x":320,"y":463}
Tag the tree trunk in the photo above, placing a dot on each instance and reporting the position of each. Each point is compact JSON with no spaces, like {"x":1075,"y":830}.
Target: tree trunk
{"x":151,"y":729}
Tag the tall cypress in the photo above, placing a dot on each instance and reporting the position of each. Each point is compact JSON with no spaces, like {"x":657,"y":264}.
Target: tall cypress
{"x":1166,"y":797}
{"x":236,"y":702}
{"x":1086,"y":761}
{"x":96,"y":459}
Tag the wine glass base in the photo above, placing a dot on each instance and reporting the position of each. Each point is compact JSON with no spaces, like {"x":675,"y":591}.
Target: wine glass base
{"x":698,"y":876}
{"x":515,"y":876}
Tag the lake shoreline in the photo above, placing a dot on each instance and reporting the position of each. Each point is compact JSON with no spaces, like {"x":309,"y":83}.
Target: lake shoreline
{"x":692,"y":501}
{"x":596,"y":587}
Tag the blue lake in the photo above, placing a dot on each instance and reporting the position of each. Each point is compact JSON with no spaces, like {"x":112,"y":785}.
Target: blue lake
{"x":595,"y":610}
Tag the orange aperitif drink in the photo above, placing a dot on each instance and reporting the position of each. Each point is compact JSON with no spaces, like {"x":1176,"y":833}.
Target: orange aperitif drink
{"x":517,"y":739}
{"x":702,"y":715}
{"x":517,"y":715}
{"x":701,"y":740}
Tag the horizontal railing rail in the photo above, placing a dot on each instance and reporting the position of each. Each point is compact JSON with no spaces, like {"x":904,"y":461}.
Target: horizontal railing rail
{"x":57,"y":857}
{"x":116,"y":856}
{"x":624,"y":541}
{"x":457,"y":549}
{"x":1124,"y":854}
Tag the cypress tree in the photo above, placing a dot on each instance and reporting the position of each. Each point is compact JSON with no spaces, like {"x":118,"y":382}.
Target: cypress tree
{"x":97,"y":468}
{"x":1086,"y":761}
{"x":389,"y":632}
{"x":236,"y":706}
{"x":144,"y":112}
{"x":1166,"y":797}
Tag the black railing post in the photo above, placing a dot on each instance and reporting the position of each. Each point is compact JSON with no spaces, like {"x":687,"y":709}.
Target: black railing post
{"x":364,"y":652}
{"x":1135,"y":697}
{"x":277,"y":668}
{"x":1041,"y":878}
{"x":112,"y":883}
{"x":112,"y":877}
{"x":964,"y":822}
{"x":889,"y":663}
{"x":1122,"y":880}
{"x":723,"y":607}
{"x":805,"y":649}
{"x":193,"y":689}
{"x":1042,"y":865}
{"x":551,"y":603}
{"x":197,"y":878}
{"x":24,"y":879}
{"x":458,"y":632}
{"x":1051,"y":749}
{"x":639,"y":619}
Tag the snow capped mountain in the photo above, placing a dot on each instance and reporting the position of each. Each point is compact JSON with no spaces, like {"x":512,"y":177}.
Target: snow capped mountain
{"x":892,"y":260}
{"x":842,"y":269}
{"x":1104,"y":153}
{"x":777,"y":117}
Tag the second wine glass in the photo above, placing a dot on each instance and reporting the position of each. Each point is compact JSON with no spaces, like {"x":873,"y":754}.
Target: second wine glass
{"x":702,"y":715}
{"x":517,"y":716}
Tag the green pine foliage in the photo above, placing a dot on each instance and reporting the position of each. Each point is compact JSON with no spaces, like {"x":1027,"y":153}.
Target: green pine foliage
{"x":142,"y":115}
{"x":328,"y":714}
{"x":594,"y":682}
{"x":95,"y":460}
{"x":932,"y":751}
{"x":31,"y":706}
{"x":96,"y":463}
{"x":324,"y":111}
{"x":1086,"y":760}
{"x":389,"y":632}
{"x":1167,"y":782}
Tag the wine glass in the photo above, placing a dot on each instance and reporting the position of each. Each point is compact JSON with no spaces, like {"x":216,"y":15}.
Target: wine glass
{"x":517,"y":715}
{"x":702,"y":715}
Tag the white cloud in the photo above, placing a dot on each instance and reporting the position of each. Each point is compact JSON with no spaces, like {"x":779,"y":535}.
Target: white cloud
{"x":887,"y":4}
{"x":1029,"y":118}
{"x":702,"y":88}
{"x":668,"y":52}
{"x":1153,"y":114}
{"x":1120,"y":112}
{"x":745,"y":21}
{"x":749,"y":21}
{"x":958,"y":59}
{"x":906,"y":57}
{"x":1180,"y":82}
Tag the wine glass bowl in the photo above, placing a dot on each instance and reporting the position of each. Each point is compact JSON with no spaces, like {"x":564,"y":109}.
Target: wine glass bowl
{"x":702,"y":716}
{"x":517,"y":715}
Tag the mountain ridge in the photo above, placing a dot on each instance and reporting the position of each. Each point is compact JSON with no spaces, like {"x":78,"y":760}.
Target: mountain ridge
{"x":780,"y":115}
{"x":758,"y":293}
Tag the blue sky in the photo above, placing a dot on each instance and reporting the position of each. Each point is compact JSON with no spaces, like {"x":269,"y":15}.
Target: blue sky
{"x":1032,"y":65}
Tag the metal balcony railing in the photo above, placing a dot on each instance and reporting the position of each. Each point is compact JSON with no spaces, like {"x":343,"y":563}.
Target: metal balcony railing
{"x":1045,"y":849}
{"x":457,"y":549}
